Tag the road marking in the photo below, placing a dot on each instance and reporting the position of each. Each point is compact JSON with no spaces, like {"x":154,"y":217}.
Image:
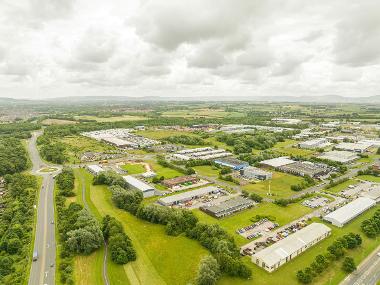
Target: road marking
{"x":44,"y":233}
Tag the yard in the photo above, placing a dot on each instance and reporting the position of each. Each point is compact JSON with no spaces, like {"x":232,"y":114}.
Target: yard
{"x":134,"y":168}
{"x":164,"y":171}
{"x":279,"y":185}
{"x":342,"y":186}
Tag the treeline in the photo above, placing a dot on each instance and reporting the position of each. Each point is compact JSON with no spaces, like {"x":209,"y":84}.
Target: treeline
{"x":335,"y":251}
{"x":79,"y":232}
{"x":109,"y":178}
{"x":181,"y":221}
{"x":20,"y":130}
{"x":120,"y":245}
{"x":283,"y":202}
{"x":50,"y":150}
{"x":13,"y":156}
{"x":371,"y":226}
{"x":65,"y":182}
{"x":184,"y":139}
{"x":307,"y":182}
{"x":16,"y":228}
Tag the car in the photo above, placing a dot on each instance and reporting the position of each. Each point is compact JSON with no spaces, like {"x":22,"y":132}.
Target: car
{"x":35,"y":255}
{"x":52,"y":222}
{"x":378,"y":254}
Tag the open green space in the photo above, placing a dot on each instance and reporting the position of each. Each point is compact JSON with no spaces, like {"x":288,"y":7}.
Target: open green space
{"x":202,"y":113}
{"x":164,"y":171}
{"x":49,"y":122}
{"x":242,"y":219}
{"x":289,"y":147}
{"x":48,"y":169}
{"x":207,"y":170}
{"x":286,"y":275}
{"x":112,"y":119}
{"x":342,"y":186}
{"x":133,"y":168}
{"x":160,"y":134}
{"x":279,"y":185}
{"x":370,"y":178}
{"x":161,"y":259}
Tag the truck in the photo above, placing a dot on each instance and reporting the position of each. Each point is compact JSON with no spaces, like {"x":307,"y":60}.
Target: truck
{"x":35,"y":255}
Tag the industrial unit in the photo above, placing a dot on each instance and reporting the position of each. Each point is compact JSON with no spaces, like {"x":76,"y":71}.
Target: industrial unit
{"x":187,"y":196}
{"x":276,"y":255}
{"x":228,"y":207}
{"x":349,"y":211}
{"x":339,"y":156}
{"x":94,"y":169}
{"x":251,"y":172}
{"x":173,"y":182}
{"x":306,"y":168}
{"x":356,"y":147}
{"x":146,"y":189}
{"x":314,"y":143}
{"x":203,"y":153}
{"x":277,"y":162}
{"x":231,"y":162}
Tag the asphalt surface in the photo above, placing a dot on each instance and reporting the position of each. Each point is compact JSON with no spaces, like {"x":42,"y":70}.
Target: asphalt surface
{"x":43,"y":270}
{"x":368,"y":272}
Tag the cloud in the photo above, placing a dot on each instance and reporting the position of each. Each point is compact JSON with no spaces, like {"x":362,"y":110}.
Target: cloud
{"x":208,"y":55}
{"x":256,"y":56}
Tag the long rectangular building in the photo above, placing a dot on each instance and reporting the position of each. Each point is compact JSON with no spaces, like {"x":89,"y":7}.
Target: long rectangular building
{"x":276,"y":255}
{"x":146,"y":189}
{"x":349,"y":211}
{"x":188,"y":196}
{"x":305,"y":168}
{"x":339,"y":156}
{"x":228,"y":207}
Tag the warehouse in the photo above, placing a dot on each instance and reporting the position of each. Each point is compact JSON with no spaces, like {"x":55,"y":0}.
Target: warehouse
{"x":94,"y":169}
{"x":306,"y":168}
{"x":314,"y":143}
{"x":276,"y":255}
{"x":251,"y":172}
{"x":228,"y":207}
{"x":231,"y":162}
{"x":203,"y":153}
{"x":349,"y":211}
{"x":177,"y":181}
{"x":339,"y":156}
{"x":120,"y":143}
{"x":187,"y":196}
{"x":277,"y":162}
{"x":134,"y":183}
{"x":356,"y":147}
{"x":373,"y":193}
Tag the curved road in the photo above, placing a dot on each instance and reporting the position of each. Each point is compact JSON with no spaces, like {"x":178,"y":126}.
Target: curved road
{"x":43,"y":270}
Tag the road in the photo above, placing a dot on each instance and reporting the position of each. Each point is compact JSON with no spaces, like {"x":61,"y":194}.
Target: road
{"x":43,"y":270}
{"x":368,"y":272}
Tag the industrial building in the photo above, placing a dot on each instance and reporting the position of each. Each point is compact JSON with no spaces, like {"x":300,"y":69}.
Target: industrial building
{"x":373,"y":193}
{"x":228,"y":207}
{"x":350,"y":211}
{"x":177,"y":181}
{"x":287,"y":121}
{"x":276,"y":255}
{"x":134,"y":183}
{"x":251,"y":172}
{"x":231,"y":162}
{"x":94,"y":169}
{"x":120,"y":143}
{"x":203,"y":153}
{"x":277,"y":162}
{"x":314,"y":143}
{"x":339,"y":156}
{"x":355,"y":147}
{"x":306,"y":168}
{"x":188,"y":196}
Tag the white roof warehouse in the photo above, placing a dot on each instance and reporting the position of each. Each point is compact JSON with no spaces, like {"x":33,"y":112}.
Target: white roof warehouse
{"x":147,"y":190}
{"x":349,"y":211}
{"x":276,"y":255}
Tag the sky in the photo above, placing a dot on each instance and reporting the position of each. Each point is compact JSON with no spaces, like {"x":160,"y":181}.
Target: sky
{"x":200,"y":48}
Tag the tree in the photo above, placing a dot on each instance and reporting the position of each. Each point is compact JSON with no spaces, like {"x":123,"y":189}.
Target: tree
{"x":256,"y":197}
{"x":85,"y":240}
{"x":208,"y":272}
{"x":13,"y":245}
{"x":378,"y":151}
{"x":348,"y":265}
{"x":304,"y":277}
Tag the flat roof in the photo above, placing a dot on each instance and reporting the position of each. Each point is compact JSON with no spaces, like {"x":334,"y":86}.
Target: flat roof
{"x":277,"y":162}
{"x":339,"y":156}
{"x":354,"y":146}
{"x":373,"y":193}
{"x":350,"y":210}
{"x":257,"y":170}
{"x":291,"y":244}
{"x":230,"y":160}
{"x":96,"y":168}
{"x":229,"y":204}
{"x":189,"y":194}
{"x":134,"y":182}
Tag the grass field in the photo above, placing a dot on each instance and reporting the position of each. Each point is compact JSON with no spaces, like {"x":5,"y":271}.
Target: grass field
{"x":134,"y":168}
{"x":370,"y":178}
{"x":202,"y":113}
{"x":162,"y":259}
{"x":112,"y":119}
{"x":287,"y":148}
{"x":164,"y":171}
{"x":242,"y":219}
{"x":207,"y":170}
{"x":286,"y":275}
{"x":279,"y":185}
{"x":342,"y":186}
{"x":49,"y":122}
{"x":160,"y":134}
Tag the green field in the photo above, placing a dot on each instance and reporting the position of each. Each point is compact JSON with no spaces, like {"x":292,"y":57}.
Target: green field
{"x":242,"y":219}
{"x":342,"y":186}
{"x":370,"y":178}
{"x":160,"y":134}
{"x":202,"y":113}
{"x":162,"y":259}
{"x":112,"y":119}
{"x":279,"y":185}
{"x":287,"y":148}
{"x":207,"y":170}
{"x":164,"y":171}
{"x":286,"y":275}
{"x":134,"y":168}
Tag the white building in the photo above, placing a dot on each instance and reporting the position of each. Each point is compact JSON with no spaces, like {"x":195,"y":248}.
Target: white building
{"x":355,"y":147}
{"x":277,"y":162}
{"x":339,"y":156}
{"x":276,"y":255}
{"x":287,"y":121}
{"x":188,"y":196}
{"x":255,"y":173}
{"x":94,"y":169}
{"x":314,"y":143}
{"x":349,"y":211}
{"x":203,"y":153}
{"x":146,"y":189}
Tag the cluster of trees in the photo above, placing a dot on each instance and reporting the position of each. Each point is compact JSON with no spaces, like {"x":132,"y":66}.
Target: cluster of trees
{"x":285,"y":202}
{"x":163,"y":162}
{"x":52,"y":151}
{"x":335,"y":251}
{"x":229,"y":178}
{"x":20,"y":130}
{"x":13,"y":156}
{"x":255,"y":159}
{"x":333,"y":183}
{"x":184,"y":139}
{"x":371,"y":227}
{"x":369,"y":171}
{"x":16,"y":227}
{"x":198,"y":162}
{"x":308,"y":182}
{"x":208,"y":271}
{"x":244,"y":143}
{"x":120,"y":245}
{"x":109,"y":178}
{"x":181,"y":221}
{"x":65,"y":182}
